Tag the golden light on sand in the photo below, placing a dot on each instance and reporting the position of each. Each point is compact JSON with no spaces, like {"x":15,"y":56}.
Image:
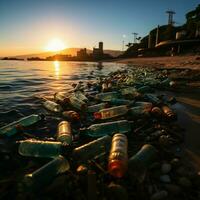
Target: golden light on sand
{"x":55,"y":45}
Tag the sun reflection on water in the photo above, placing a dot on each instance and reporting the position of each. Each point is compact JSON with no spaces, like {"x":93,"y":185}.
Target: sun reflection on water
{"x":57,"y":69}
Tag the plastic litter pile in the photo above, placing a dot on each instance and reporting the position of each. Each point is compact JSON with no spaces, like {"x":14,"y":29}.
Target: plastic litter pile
{"x":117,"y":139}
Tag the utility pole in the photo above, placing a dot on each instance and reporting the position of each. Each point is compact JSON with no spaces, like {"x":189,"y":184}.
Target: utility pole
{"x":170,"y":17}
{"x":135,"y":36}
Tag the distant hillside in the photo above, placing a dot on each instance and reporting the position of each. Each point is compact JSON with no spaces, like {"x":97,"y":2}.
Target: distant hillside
{"x":69,"y":51}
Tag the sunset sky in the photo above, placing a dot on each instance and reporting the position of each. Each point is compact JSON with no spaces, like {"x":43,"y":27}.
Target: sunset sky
{"x":28,"y":26}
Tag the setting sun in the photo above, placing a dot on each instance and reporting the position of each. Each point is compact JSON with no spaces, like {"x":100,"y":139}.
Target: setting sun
{"x":55,"y":45}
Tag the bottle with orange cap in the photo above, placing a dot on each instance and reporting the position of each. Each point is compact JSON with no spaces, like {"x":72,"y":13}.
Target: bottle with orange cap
{"x":118,"y":157}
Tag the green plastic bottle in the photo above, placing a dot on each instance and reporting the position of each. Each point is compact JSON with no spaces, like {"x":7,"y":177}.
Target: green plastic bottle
{"x":141,"y":161}
{"x":64,"y":133}
{"x":44,"y":176}
{"x":79,"y":95}
{"x":77,"y":103}
{"x":147,"y":105}
{"x":145,"y":89}
{"x":14,"y":127}
{"x":96,"y":107}
{"x":107,"y":96}
{"x":118,"y":102}
{"x":38,"y":148}
{"x":152,"y":98}
{"x":112,"y":112}
{"x":52,"y":106}
{"x":139,"y":112}
{"x":92,"y":149}
{"x":107,"y":128}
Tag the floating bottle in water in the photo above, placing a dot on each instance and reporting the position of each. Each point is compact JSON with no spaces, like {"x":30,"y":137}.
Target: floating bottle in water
{"x":129,"y":91}
{"x":97,"y":107}
{"x":107,"y":96}
{"x":108,"y":128}
{"x":44,"y":176}
{"x":139,"y":163}
{"x":61,"y":97}
{"x":39,"y":148}
{"x":92,"y":149}
{"x":77,"y":103}
{"x":118,"y":158}
{"x":71,"y":115}
{"x":108,"y":113}
{"x":146,"y":105}
{"x":81,"y":96}
{"x":168,"y":113}
{"x":16,"y":126}
{"x":64,"y":133}
{"x":52,"y":106}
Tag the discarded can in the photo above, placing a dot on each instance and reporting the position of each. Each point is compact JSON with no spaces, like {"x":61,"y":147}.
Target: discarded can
{"x":107,"y":128}
{"x":71,"y":115}
{"x":168,"y":113}
{"x":108,"y":113}
{"x":44,"y":175}
{"x":52,"y":106}
{"x":64,"y":133}
{"x":14,"y":127}
{"x":118,"y":158}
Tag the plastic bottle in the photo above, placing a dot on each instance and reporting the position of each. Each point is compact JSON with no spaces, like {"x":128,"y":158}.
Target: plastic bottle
{"x":92,"y":149}
{"x":96,"y":107}
{"x":129,"y":90}
{"x":108,"y":113}
{"x":152,"y":98}
{"x":77,"y":103}
{"x":64,"y":133}
{"x":107,"y":96}
{"x":45,"y":175}
{"x":52,"y":106}
{"x":104,"y":87}
{"x":61,"y":97}
{"x":24,"y":122}
{"x":139,"y":111}
{"x":144,"y":89}
{"x":139,"y":163}
{"x":71,"y":115}
{"x":38,"y":148}
{"x":118,"y":102}
{"x":118,"y":158}
{"x":147,"y":105}
{"x":79,"y":95}
{"x":168,"y":113}
{"x":108,"y":128}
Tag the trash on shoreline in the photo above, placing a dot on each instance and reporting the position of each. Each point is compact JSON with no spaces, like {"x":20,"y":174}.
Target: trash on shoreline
{"x":115,"y":136}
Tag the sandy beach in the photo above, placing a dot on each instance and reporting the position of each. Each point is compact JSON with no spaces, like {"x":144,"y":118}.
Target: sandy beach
{"x":191,"y":62}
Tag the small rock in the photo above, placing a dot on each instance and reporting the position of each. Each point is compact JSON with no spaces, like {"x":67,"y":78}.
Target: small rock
{"x":173,"y":189}
{"x":185,"y":182}
{"x":159,"y":195}
{"x":165,"y":178}
{"x":166,"y":168}
{"x":175,"y":162}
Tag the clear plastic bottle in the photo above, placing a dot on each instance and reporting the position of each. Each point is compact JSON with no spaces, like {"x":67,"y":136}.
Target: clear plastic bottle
{"x":107,"y":96}
{"x":118,"y":102}
{"x":77,"y":103}
{"x":81,"y":96}
{"x":97,"y":107}
{"x":139,"y":111}
{"x":61,"y":97}
{"x":118,"y":158}
{"x":139,"y":163}
{"x":38,"y":148}
{"x":152,"y":98}
{"x":129,"y":90}
{"x":147,"y":105}
{"x":64,"y":133}
{"x":108,"y":113}
{"x":52,"y":106}
{"x":24,"y":122}
{"x":92,"y":149}
{"x":44,"y":176}
{"x":108,"y":128}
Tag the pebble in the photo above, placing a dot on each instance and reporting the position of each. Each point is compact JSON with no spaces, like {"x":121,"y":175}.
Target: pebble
{"x":159,"y":195}
{"x":173,"y":189}
{"x":184,"y":182}
{"x":165,"y":178}
{"x":166,"y":168}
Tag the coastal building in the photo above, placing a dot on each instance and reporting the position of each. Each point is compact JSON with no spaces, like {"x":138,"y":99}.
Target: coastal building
{"x":82,"y":53}
{"x":98,"y":52}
